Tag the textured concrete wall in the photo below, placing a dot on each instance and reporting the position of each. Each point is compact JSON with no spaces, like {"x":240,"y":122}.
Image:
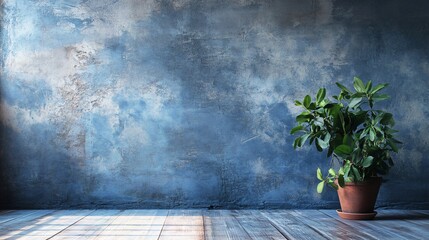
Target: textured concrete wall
{"x":186,"y":103}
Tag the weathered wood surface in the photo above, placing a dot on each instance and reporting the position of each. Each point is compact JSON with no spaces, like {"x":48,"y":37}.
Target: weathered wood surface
{"x":256,"y":225}
{"x":290,"y":226}
{"x":41,"y":224}
{"x":90,"y":226}
{"x":329,"y":227}
{"x":135,"y":224}
{"x":209,"y":224}
{"x":221,"y":224}
{"x":183,"y":224}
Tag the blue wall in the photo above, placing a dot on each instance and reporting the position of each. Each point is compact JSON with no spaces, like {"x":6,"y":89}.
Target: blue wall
{"x":185,"y":103}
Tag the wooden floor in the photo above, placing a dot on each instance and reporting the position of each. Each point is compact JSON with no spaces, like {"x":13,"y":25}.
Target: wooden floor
{"x":209,"y":224}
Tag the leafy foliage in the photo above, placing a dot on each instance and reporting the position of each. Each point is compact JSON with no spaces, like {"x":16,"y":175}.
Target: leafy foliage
{"x":352,"y":131}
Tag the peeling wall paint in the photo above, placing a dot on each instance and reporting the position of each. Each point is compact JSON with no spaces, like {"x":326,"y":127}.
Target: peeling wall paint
{"x":127,"y":103}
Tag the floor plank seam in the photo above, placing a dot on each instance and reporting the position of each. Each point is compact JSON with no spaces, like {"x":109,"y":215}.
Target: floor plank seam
{"x":313,"y":228}
{"x":350,"y":224}
{"x":276,"y":227}
{"x":347,"y":224}
{"x":26,"y":215}
{"x":70,"y":225}
{"x":165,"y":220}
{"x":239,"y":223}
{"x":113,"y":220}
{"x":204,"y":225}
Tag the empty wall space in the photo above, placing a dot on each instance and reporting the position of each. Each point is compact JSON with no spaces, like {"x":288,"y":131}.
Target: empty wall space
{"x":189,"y":103}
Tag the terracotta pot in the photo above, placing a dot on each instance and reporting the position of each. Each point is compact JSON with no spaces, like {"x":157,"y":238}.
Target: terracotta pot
{"x":359,"y":197}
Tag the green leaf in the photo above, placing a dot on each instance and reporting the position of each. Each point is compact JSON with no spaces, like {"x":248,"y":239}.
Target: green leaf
{"x":355,"y":102}
{"x":320,"y":111}
{"x":377,"y":118}
{"x":303,"y":139}
{"x":319,"y":122}
{"x":347,"y":96}
{"x":368,"y":86}
{"x":371,"y":102}
{"x":347,"y":140}
{"x":297,"y":103}
{"x":299,"y":141}
{"x":378,"y":129}
{"x":341,"y":181}
{"x":342,"y":87}
{"x":363,"y":134}
{"x":307,"y":101}
{"x":343,"y":149}
{"x":329,"y":105}
{"x":387,"y":119}
{"x":343,"y":124}
{"x":356,"y":174}
{"x":323,"y":102}
{"x":312,"y":106}
{"x":341,"y":171}
{"x":327,"y":138}
{"x":303,"y":117}
{"x":367,"y":162}
{"x":319,"y":174}
{"x":371,"y":135}
{"x":312,"y":139}
{"x":334,"y":111}
{"x":358,"y":94}
{"x":392,"y":145}
{"x":378,"y":88}
{"x":296,"y":142}
{"x":332,"y":184}
{"x":332,"y":172}
{"x":321,"y":95}
{"x":358,"y":85}
{"x":380,"y":97}
{"x":320,"y":187}
{"x":322,"y":144}
{"x":296,"y":129}
{"x":347,"y":167}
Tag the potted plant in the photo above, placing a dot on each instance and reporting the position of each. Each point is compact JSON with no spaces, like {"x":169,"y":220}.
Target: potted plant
{"x":357,"y":136}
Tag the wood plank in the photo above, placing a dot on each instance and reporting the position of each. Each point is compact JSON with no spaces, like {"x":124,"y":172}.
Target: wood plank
{"x":327,"y":226}
{"x":5,"y":211}
{"x":384,"y":226}
{"x":21,"y":218}
{"x":290,"y":226}
{"x":135,"y":224}
{"x":90,"y":226}
{"x":13,"y":214}
{"x":411,"y":216}
{"x":256,"y":225}
{"x":46,"y":225}
{"x":209,"y":224}
{"x":183,"y":224}
{"x":401,"y":222}
{"x":221,"y":224}
{"x":376,"y":231}
{"x":425,"y":212}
